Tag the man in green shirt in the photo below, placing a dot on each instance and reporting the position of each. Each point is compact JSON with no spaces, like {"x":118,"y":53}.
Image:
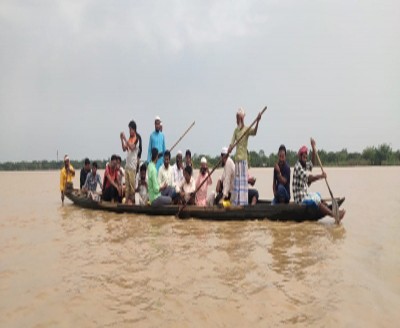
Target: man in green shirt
{"x":155,"y":197}
{"x":241,"y":188}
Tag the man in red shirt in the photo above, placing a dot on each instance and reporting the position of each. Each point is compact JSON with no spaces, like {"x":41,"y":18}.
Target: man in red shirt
{"x":112,"y":188}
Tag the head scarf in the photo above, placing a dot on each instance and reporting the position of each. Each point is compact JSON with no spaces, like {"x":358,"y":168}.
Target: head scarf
{"x":303,"y":150}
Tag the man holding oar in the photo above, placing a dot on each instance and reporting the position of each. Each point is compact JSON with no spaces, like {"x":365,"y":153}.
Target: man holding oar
{"x":302,"y":179}
{"x":241,"y":134}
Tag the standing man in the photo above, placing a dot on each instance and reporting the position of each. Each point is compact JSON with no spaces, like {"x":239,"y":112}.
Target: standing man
{"x":66,"y":175}
{"x":157,"y":141}
{"x":302,"y":179}
{"x":241,"y":185}
{"x":281,"y":179}
{"x":132,"y":149}
{"x":139,"y":146}
{"x":84,"y":172}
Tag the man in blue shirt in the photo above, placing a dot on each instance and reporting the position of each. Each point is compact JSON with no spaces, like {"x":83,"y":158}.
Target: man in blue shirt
{"x":281,"y":181}
{"x":157,"y":140}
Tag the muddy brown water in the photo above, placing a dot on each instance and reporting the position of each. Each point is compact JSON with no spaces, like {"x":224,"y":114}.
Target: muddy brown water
{"x":62,"y":266}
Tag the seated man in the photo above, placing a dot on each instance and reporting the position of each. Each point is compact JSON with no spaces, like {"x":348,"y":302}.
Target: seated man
{"x":155,"y":197}
{"x":84,"y":172}
{"x":253,"y":193}
{"x":142,"y":189}
{"x":201,"y":195}
{"x":281,"y":179}
{"x":224,"y":188}
{"x":90,"y":184}
{"x":112,"y":189}
{"x":178,"y":169}
{"x":302,"y":179}
{"x":166,"y":176}
{"x":188,"y":158}
{"x":187,"y":187}
{"x":67,"y":174}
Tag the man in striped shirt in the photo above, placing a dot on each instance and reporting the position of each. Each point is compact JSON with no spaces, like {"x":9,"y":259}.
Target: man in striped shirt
{"x":302,"y":178}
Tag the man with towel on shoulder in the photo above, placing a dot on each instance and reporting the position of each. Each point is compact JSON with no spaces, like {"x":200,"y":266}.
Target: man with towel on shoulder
{"x":241,"y":188}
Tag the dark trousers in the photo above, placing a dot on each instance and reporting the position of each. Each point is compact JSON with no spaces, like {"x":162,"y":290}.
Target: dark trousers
{"x":282,"y":196}
{"x":111,"y":193}
{"x":253,"y":193}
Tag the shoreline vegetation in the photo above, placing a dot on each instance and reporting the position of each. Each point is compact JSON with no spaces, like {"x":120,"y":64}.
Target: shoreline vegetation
{"x":370,"y":156}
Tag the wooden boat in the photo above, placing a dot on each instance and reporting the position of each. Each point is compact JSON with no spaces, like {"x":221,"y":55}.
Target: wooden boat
{"x":262,"y":210}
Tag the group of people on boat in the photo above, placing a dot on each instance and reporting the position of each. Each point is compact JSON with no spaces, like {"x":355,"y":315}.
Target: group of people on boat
{"x":156,"y":182}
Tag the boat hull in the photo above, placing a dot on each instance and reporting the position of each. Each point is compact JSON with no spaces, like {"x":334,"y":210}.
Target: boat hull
{"x":260,"y":211}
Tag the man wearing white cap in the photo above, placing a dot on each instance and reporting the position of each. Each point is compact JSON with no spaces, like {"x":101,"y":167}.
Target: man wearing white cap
{"x":177,"y":170}
{"x":241,"y":187}
{"x":201,"y":195}
{"x":66,"y":175}
{"x":157,"y":140}
{"x":224,"y":188}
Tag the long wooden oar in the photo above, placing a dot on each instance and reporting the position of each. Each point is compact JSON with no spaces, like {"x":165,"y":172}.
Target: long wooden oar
{"x":220,"y":160}
{"x":179,"y":140}
{"x":335,"y":206}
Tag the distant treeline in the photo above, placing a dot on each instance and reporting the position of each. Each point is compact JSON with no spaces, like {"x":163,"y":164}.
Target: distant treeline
{"x":381,"y":155}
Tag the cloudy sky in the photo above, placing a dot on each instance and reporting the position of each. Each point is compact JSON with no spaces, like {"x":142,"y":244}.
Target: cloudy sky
{"x":74,"y":73}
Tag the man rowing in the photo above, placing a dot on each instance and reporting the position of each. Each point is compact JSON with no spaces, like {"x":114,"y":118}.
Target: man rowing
{"x":302,"y":179}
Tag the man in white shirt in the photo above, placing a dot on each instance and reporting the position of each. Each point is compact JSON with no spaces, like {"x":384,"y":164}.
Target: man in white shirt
{"x":178,"y":171}
{"x":166,"y":176}
{"x":130,"y":146}
{"x":224,"y":189}
{"x":187,"y":187}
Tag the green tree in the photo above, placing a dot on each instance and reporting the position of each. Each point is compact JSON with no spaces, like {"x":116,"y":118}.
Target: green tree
{"x":369,"y":155}
{"x":383,"y":154}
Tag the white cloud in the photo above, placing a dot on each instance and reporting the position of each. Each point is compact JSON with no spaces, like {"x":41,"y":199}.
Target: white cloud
{"x":169,"y":26}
